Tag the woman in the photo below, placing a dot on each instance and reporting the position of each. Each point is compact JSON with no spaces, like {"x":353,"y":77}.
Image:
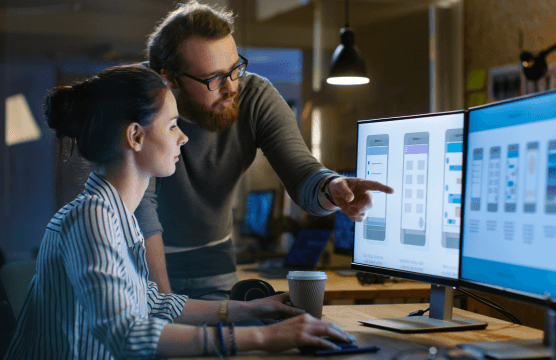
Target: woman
{"x":90,"y":297}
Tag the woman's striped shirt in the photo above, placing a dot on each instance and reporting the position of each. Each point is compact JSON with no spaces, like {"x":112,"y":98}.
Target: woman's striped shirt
{"x":90,"y":297}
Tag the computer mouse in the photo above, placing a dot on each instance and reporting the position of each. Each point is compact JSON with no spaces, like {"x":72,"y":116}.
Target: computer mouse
{"x":311,"y":349}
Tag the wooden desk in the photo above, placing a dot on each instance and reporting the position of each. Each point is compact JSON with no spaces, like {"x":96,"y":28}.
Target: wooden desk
{"x":348,"y":287}
{"x":391,"y":343}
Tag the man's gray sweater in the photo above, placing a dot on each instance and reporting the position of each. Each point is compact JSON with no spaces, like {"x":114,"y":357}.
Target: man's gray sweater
{"x":193,"y":207}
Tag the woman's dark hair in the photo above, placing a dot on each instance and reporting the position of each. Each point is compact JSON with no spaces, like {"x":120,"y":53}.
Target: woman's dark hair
{"x":188,"y":20}
{"x":94,"y":112}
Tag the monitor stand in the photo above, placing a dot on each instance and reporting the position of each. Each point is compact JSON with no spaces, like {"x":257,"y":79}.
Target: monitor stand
{"x":346,"y":272}
{"x":518,"y":349}
{"x":440,"y":318}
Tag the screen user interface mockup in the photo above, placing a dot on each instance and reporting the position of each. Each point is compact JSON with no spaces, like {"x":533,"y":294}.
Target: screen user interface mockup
{"x":416,"y":228}
{"x":509,"y":234}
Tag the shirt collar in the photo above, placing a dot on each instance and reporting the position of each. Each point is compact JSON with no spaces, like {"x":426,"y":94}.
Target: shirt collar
{"x":99,"y":186}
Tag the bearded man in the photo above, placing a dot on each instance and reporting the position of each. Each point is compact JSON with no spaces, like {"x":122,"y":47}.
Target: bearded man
{"x":227,"y":114}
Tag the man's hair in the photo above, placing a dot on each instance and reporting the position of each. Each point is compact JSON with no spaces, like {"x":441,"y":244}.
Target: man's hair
{"x":188,"y":20}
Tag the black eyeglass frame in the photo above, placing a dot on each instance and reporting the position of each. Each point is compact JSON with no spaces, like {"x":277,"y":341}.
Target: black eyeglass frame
{"x":224,"y":76}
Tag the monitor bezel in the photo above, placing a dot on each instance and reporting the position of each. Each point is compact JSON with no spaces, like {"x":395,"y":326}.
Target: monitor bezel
{"x":514,"y":294}
{"x":430,"y":279}
{"x":243,"y":219}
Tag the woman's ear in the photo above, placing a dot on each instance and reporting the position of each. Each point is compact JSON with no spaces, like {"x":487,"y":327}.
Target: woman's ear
{"x":135,"y":136}
{"x":169,"y":79}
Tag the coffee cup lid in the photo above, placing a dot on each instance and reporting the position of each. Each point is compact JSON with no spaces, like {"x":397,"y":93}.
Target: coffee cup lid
{"x":307,"y":275}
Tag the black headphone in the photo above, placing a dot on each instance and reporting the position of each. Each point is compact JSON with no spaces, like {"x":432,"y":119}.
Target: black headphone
{"x":247,"y":290}
{"x":252,"y":289}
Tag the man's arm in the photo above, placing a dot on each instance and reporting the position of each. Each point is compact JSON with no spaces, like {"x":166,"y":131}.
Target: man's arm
{"x":278,"y":136}
{"x":147,"y":217}
{"x":303,"y":176}
{"x":157,"y":263}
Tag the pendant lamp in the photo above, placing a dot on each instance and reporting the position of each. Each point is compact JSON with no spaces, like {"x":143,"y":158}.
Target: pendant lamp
{"x":534,"y":66}
{"x":347,"y":66}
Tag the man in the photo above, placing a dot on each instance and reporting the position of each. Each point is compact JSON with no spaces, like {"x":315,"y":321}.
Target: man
{"x":227,"y":114}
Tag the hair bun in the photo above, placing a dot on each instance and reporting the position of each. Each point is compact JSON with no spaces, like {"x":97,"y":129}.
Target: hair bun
{"x":66,"y":108}
{"x":96,"y":112}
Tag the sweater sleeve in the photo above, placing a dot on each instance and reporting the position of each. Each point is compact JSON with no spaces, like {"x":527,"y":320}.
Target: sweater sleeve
{"x":92,"y":256}
{"x":278,"y":136}
{"x":146,"y":213}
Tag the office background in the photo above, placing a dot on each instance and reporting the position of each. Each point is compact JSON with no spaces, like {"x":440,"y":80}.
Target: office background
{"x":421,"y":56}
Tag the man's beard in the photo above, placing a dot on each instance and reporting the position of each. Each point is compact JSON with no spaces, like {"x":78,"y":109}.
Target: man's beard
{"x":207,"y":119}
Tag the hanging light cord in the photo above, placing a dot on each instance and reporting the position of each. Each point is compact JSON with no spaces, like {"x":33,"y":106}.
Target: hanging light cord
{"x":347,"y":12}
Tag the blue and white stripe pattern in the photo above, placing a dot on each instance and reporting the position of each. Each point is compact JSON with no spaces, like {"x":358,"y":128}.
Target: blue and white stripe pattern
{"x":90,"y":297}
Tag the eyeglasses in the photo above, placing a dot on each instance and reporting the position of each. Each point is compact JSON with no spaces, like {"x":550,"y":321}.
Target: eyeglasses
{"x":218,"y":81}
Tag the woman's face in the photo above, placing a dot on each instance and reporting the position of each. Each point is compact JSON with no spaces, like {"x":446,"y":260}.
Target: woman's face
{"x":163,"y":139}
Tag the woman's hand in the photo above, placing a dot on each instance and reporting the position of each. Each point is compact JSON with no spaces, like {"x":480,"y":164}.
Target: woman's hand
{"x":302,"y":330}
{"x":273,"y":307}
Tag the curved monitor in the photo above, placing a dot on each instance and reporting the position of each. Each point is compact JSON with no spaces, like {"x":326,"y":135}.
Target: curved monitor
{"x":414,"y":232}
{"x":509,"y":223}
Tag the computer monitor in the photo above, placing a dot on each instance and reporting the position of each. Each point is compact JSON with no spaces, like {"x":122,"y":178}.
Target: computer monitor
{"x":509,"y":222}
{"x":307,"y":249}
{"x":414,"y":232}
{"x":258,"y":210}
{"x":343,"y":227}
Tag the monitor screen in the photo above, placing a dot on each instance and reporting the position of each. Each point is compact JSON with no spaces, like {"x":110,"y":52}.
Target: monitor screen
{"x":509,"y":225}
{"x":343,"y":227}
{"x":258,"y":210}
{"x":414,"y":232}
{"x":307,"y":248}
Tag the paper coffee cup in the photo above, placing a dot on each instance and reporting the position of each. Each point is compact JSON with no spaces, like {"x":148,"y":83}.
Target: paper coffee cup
{"x":307,"y":291}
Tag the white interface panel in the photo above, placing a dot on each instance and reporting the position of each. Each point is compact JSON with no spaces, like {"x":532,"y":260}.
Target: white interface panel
{"x":509,"y":236}
{"x":417,"y":228}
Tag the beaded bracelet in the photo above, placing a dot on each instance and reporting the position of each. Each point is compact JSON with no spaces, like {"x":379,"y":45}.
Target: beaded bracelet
{"x":221,"y":336}
{"x":233,"y":347}
{"x":215,"y":347}
{"x":205,"y":335}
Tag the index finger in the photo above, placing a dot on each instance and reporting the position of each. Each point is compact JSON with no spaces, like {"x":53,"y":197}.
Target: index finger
{"x":375,"y":186}
{"x":282,"y":297}
{"x":285,"y":311}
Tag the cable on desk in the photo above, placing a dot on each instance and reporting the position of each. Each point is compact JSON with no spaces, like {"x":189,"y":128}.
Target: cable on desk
{"x":492,"y":304}
{"x":418,"y":312}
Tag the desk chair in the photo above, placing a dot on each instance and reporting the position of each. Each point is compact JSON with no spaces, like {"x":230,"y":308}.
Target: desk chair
{"x":16,"y":278}
{"x":7,"y":325}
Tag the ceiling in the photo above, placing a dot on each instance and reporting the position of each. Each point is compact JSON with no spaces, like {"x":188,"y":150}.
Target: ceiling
{"x":361,"y":12}
{"x":108,"y":28}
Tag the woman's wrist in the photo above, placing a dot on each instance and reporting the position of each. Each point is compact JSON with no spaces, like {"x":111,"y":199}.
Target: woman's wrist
{"x":239,"y":311}
{"x":249,"y":338}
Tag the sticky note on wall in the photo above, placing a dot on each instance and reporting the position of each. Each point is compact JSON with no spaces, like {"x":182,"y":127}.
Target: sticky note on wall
{"x":476,"y":80}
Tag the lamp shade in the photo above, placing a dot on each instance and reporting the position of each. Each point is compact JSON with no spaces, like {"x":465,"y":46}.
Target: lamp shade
{"x":347,"y":66}
{"x":533,"y":67}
